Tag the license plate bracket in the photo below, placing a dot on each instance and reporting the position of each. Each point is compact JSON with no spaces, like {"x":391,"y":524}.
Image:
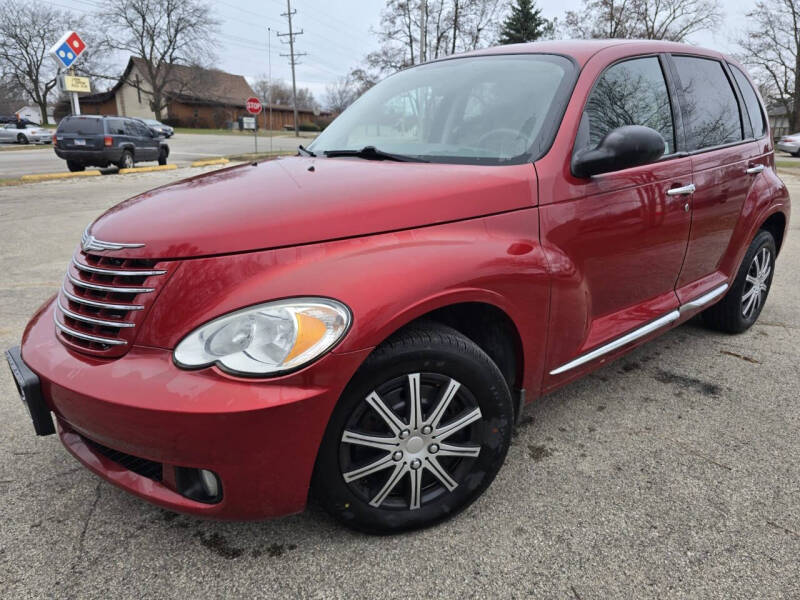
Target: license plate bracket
{"x":30,"y":392}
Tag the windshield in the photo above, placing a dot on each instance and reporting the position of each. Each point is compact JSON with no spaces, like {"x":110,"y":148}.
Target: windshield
{"x":484,"y":109}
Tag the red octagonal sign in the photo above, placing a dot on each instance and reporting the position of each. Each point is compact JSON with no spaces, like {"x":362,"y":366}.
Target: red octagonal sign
{"x":253,"y":105}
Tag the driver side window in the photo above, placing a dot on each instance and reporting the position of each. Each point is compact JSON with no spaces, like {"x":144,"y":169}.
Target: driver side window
{"x":632,"y":92}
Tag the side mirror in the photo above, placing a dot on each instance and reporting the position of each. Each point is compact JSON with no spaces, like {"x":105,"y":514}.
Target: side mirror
{"x":621,"y":148}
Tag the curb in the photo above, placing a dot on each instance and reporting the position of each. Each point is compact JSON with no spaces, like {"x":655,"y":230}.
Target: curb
{"x":210,"y":161}
{"x":148,"y":169}
{"x":47,"y":176}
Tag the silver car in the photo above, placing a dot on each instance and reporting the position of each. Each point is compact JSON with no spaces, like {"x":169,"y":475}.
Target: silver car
{"x":790,"y":144}
{"x":27,"y":134}
{"x":159,"y":127}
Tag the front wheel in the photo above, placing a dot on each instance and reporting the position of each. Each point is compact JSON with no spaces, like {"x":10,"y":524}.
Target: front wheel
{"x":419,"y":433}
{"x":162,"y":158}
{"x":75,"y":167}
{"x":22,"y":139}
{"x":745,"y":299}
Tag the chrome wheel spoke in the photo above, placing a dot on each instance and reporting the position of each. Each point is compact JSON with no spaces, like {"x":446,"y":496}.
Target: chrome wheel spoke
{"x":373,"y":441}
{"x":415,"y":402}
{"x":748,"y":306}
{"x":444,"y":402}
{"x":386,"y":413}
{"x":464,"y":451}
{"x":749,"y":293}
{"x":752,"y":280}
{"x":765,"y":273}
{"x":440,"y":473}
{"x":391,"y":483}
{"x":416,"y":488}
{"x":444,"y":432}
{"x":374,"y":467}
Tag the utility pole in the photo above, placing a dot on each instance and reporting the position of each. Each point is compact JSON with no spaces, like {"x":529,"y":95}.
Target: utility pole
{"x":269,"y":83}
{"x":292,"y":56}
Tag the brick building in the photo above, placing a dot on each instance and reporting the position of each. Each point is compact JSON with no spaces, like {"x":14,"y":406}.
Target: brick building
{"x":196,"y":97}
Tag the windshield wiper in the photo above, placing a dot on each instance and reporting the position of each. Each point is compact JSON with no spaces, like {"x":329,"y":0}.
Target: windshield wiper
{"x":372,"y":153}
{"x":305,"y":151}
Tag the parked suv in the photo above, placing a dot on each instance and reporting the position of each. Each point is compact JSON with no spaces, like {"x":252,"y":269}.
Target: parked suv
{"x":100,"y":141}
{"x":368,"y":319}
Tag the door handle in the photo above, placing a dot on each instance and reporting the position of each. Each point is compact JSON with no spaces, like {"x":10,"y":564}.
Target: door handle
{"x":682,"y":191}
{"x":755,"y":170}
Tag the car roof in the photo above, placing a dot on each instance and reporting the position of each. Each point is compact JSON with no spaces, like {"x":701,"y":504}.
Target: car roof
{"x":582,"y":50}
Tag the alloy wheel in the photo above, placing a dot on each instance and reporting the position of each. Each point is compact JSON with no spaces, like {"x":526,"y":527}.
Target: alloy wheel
{"x":403,"y":462}
{"x":756,"y":283}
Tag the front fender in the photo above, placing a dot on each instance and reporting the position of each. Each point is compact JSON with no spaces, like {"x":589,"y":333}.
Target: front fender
{"x":387,"y":280}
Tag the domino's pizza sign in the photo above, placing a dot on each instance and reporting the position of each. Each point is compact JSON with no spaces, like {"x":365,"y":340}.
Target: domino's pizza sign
{"x":67,"y":50}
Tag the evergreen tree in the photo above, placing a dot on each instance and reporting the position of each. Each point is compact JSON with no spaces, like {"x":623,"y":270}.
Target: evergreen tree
{"x":524,"y":24}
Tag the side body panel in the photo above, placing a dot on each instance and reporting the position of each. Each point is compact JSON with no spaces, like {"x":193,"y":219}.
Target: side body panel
{"x":387,"y":281}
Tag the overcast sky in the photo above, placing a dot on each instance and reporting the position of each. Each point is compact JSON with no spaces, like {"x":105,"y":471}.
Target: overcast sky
{"x":338,"y":34}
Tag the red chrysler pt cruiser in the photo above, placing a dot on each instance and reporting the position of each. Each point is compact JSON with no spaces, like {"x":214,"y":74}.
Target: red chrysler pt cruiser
{"x":366,"y":320}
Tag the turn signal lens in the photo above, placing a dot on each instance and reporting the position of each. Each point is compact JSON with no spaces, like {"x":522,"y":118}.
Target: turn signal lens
{"x":108,"y":141}
{"x":267,"y":339}
{"x":55,"y":142}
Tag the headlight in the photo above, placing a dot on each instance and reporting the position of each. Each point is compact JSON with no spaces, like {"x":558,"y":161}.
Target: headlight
{"x":266,"y":339}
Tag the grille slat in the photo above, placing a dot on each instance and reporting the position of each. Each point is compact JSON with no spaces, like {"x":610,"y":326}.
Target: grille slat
{"x":141,"y":466}
{"x":102,"y":301}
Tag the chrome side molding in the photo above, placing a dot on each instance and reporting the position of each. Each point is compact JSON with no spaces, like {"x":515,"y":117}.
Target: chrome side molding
{"x":619,"y":342}
{"x":705,"y":298}
{"x":642,"y":331}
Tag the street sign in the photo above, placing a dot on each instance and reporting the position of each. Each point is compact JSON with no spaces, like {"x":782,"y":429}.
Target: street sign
{"x":253,"y":105}
{"x":76,"y":84}
{"x":248,"y":122}
{"x":67,"y":50}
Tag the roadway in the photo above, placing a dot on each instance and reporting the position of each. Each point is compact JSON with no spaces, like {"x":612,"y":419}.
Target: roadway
{"x":184,"y":148}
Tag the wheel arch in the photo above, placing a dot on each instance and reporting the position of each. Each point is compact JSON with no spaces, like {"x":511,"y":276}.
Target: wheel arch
{"x":481,"y":318}
{"x":776,"y":225}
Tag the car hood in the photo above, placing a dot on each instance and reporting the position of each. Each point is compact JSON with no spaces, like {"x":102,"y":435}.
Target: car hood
{"x":300,"y":200}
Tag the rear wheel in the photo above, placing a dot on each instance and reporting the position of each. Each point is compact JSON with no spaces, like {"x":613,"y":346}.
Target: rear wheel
{"x":75,"y":166}
{"x":126,"y":160}
{"x":419,"y":433}
{"x":745,"y":299}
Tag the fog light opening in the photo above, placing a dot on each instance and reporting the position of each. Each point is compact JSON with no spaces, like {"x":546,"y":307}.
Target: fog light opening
{"x":200,"y":485}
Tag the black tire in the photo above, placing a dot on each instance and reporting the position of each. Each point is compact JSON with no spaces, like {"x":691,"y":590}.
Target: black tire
{"x":736,"y":313}
{"x":162,"y":157}
{"x":22,"y":139}
{"x":126,"y":160}
{"x":438,"y":356}
{"x":75,"y":166}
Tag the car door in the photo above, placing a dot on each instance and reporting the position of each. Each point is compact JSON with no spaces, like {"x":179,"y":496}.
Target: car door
{"x":8,"y":133}
{"x":615,"y":242}
{"x":722,"y":153}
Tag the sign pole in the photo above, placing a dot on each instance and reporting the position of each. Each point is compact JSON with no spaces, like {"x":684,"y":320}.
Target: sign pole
{"x":255,"y":135}
{"x":76,"y":107}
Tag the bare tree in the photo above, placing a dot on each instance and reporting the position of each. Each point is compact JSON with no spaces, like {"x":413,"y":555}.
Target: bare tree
{"x":673,"y":20}
{"x":28,"y":30}
{"x":413,"y":31}
{"x":164,"y":33}
{"x":280,"y":93}
{"x":340,"y":94}
{"x":771,"y":45}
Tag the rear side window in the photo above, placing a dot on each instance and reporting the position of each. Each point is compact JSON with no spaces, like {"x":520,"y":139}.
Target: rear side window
{"x":81,"y":125}
{"x":751,"y":102}
{"x":115,"y":126}
{"x":632,"y":92}
{"x":709,"y":106}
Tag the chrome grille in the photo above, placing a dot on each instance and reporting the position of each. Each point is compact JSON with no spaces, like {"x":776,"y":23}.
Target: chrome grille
{"x":102,"y":301}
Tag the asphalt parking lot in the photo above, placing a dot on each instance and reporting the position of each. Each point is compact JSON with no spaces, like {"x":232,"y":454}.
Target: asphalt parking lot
{"x":674,"y":472}
{"x":184,"y":149}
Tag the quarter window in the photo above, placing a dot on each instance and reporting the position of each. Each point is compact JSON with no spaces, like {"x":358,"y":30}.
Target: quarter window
{"x":628,"y":93}
{"x":751,"y":102}
{"x":709,"y":106}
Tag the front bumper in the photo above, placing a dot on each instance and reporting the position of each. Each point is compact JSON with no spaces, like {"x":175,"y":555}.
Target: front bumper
{"x":790,"y":147}
{"x":259,"y":436}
